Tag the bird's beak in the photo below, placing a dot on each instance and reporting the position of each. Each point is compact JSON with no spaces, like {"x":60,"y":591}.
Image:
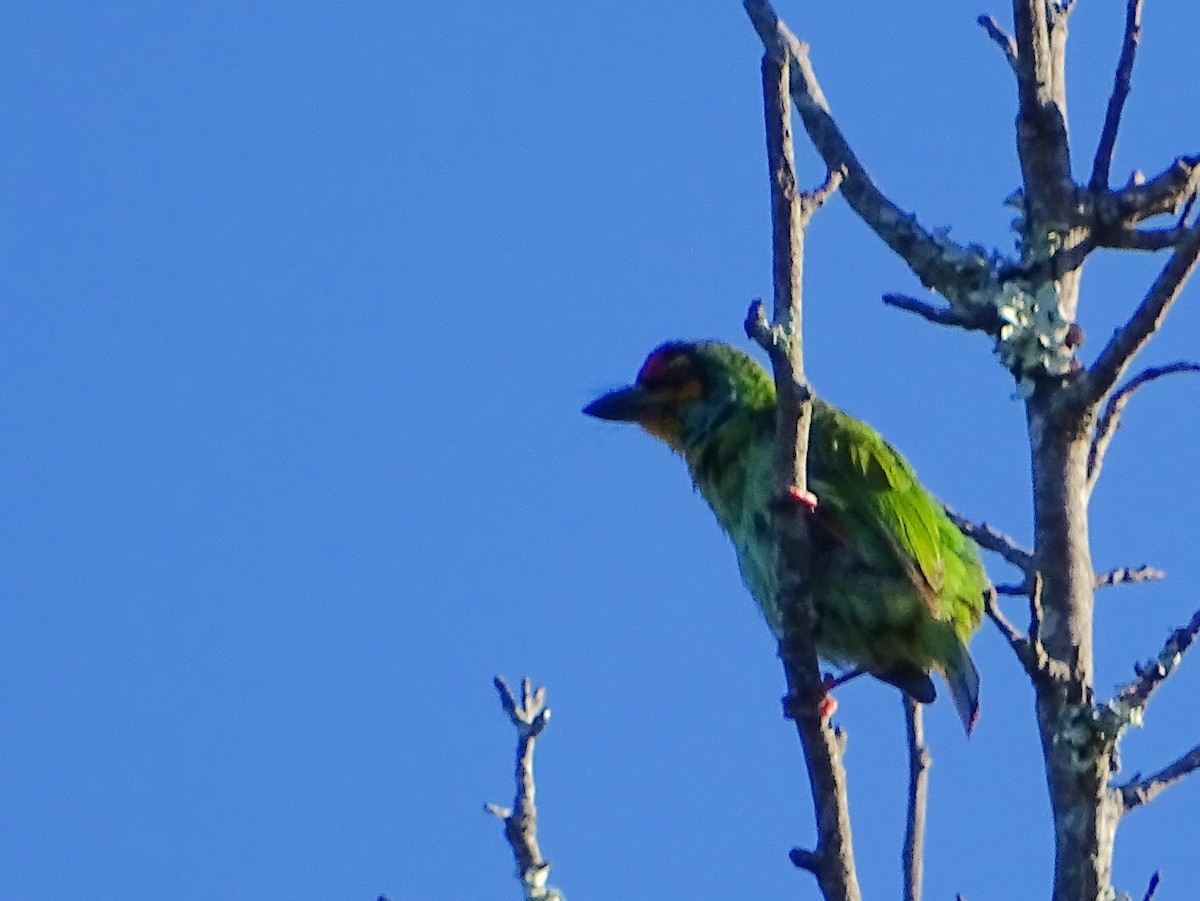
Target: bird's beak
{"x":632,"y":404}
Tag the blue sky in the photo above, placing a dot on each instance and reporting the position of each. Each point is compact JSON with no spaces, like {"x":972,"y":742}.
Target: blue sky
{"x":299,"y":309}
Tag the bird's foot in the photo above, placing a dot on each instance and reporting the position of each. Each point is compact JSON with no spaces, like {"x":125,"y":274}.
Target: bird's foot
{"x":826,"y":707}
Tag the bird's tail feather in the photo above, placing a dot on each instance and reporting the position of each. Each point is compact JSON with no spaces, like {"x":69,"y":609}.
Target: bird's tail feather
{"x":963,"y":681}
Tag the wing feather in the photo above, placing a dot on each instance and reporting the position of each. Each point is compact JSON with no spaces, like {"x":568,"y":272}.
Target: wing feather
{"x":875,"y":502}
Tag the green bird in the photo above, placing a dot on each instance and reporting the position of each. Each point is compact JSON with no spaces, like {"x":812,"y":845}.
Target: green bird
{"x":897,"y":589}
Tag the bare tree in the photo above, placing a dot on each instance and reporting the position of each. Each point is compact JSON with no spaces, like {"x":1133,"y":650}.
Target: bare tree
{"x":1028,"y":304}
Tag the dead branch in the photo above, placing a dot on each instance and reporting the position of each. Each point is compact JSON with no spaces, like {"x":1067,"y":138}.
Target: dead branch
{"x":832,"y":860}
{"x":1116,"y":101}
{"x":956,"y":272}
{"x":1145,"y":321}
{"x":520,"y":822}
{"x":1106,"y":426}
{"x":1039,"y":32}
{"x":992,"y":539}
{"x":913,"y":857}
{"x":1032,"y":658}
{"x":1038,"y":665}
{"x":1155,"y":672}
{"x":1003,"y":39}
{"x":1152,"y":887}
{"x":1147,"y":239}
{"x":1142,"y":791}
{"x":1127,"y":575}
{"x":1166,"y":193}
{"x":980,"y":319}
{"x":1013,"y":589}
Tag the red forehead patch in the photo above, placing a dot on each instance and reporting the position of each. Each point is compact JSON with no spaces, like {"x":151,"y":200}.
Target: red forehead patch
{"x":657,"y":364}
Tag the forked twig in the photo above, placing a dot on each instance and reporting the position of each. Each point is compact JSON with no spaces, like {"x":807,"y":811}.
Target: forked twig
{"x":530,"y":716}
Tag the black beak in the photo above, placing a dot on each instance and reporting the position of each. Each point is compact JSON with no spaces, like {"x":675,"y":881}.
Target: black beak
{"x":632,"y":404}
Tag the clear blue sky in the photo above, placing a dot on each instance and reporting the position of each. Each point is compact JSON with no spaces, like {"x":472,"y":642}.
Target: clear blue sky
{"x":299,"y":310}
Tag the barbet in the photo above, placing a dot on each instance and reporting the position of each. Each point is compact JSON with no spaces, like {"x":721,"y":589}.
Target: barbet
{"x":896,"y":588}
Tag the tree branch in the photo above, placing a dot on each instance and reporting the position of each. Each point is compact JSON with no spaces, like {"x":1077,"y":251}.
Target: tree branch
{"x":1126,"y":575}
{"x":1129,"y":575}
{"x":918,"y":791}
{"x":992,"y":539}
{"x":520,"y":823}
{"x":1038,"y":665}
{"x":1166,"y":193}
{"x":1041,"y":117}
{"x":1142,"y":791}
{"x":979,"y":319}
{"x":958,"y":273}
{"x":1145,"y":321}
{"x":832,"y":861}
{"x":1002,"y":38}
{"x":1147,"y":239}
{"x":1110,"y":419}
{"x":1155,"y":672}
{"x":1116,"y":101}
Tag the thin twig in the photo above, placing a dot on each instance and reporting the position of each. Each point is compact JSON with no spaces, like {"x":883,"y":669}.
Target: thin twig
{"x":980,"y":319}
{"x":1019,"y":643}
{"x":1152,"y":887}
{"x":1145,"y":321}
{"x":1143,"y":791}
{"x":992,"y":539}
{"x":1152,"y":674}
{"x":832,"y":860}
{"x":1116,"y":101}
{"x":1038,"y":665}
{"x":918,"y":791}
{"x":958,"y":273}
{"x":1014,"y":589}
{"x":1106,"y":426}
{"x":1125,"y":575}
{"x":1128,"y":575}
{"x":530,"y":716}
{"x":1003,"y":39}
{"x":1015,"y":639}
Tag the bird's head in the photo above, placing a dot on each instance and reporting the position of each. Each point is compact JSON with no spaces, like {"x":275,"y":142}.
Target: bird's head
{"x":687,"y":388}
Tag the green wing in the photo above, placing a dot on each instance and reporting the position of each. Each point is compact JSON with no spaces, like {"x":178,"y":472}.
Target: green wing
{"x":871,"y":500}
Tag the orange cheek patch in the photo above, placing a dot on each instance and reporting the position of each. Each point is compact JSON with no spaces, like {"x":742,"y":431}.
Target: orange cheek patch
{"x":664,"y":429}
{"x":688,"y":392}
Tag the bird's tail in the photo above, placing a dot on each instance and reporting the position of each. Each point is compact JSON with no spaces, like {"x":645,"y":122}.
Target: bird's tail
{"x":963,"y":681}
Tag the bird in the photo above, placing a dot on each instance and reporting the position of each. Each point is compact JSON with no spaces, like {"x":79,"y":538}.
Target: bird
{"x":897,"y":590}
